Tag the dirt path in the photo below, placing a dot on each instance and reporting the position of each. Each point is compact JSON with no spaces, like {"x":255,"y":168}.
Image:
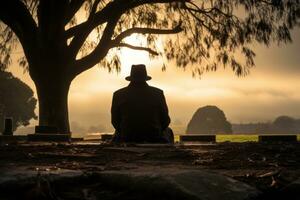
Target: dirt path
{"x":268,"y":167}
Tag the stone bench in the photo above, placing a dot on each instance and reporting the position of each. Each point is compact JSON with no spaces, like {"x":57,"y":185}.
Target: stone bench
{"x":182,"y":138}
{"x":197,"y":138}
{"x":48,"y":134}
{"x":277,"y":138}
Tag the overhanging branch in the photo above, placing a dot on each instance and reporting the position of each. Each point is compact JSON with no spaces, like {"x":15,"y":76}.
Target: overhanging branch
{"x":139,"y":30}
{"x":115,"y":9}
{"x":94,"y":8}
{"x":99,"y":52}
{"x":151,"y":51}
{"x":92,"y":22}
{"x":16,"y":16}
{"x":74,"y":6}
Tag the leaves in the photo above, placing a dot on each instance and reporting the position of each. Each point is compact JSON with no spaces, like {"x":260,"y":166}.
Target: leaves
{"x":16,"y":100}
{"x":214,"y":33}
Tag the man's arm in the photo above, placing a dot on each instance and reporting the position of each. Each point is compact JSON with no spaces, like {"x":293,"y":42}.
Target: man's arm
{"x":165,"y":119}
{"x":115,"y":113}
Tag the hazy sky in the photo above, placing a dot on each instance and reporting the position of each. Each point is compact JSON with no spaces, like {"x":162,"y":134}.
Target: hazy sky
{"x":271,"y":89}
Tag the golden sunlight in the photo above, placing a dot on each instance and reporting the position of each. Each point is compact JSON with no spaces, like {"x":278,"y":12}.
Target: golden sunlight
{"x":129,"y":57}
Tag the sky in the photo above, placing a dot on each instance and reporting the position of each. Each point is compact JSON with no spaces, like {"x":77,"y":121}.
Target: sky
{"x":271,"y":89}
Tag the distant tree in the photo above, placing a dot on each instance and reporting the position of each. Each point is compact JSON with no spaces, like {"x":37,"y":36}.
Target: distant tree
{"x":284,"y":123}
{"x":209,"y":120}
{"x":16,"y":101}
{"x":57,"y":48}
{"x":298,"y":124}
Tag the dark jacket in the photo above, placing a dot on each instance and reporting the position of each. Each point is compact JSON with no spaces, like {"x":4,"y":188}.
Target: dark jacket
{"x":139,"y":113}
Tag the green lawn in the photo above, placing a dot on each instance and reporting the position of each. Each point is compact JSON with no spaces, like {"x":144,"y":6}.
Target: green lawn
{"x":237,"y":138}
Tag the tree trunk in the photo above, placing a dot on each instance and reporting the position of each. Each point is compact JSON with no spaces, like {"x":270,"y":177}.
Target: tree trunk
{"x":53,"y":103}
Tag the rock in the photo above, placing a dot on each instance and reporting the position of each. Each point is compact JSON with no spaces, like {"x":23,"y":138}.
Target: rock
{"x":181,"y":184}
{"x":146,"y":184}
{"x":292,"y":190}
{"x":10,"y":177}
{"x":209,"y":120}
{"x":34,"y":184}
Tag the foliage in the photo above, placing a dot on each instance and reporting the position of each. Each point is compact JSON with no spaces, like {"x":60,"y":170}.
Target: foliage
{"x":285,"y":123}
{"x":16,"y":101}
{"x":210,"y":33}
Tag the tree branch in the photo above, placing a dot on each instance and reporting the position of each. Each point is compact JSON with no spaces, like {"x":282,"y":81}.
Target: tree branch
{"x":81,"y":31}
{"x":151,"y":51}
{"x":99,"y":52}
{"x":98,"y":18}
{"x":94,"y":8}
{"x":113,"y":10}
{"x":73,"y":7}
{"x":16,"y":16}
{"x":116,"y":7}
{"x":210,"y":13}
{"x":139,"y":30}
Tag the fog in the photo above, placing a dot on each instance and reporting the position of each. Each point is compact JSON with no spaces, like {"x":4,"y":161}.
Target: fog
{"x":271,"y":89}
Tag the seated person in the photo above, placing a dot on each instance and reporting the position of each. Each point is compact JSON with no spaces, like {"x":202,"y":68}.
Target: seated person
{"x":139,"y":112}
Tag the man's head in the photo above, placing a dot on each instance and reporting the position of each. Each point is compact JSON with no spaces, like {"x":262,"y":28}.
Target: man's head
{"x":138,"y":73}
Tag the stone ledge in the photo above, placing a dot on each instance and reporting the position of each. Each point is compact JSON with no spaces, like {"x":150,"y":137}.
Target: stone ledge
{"x":167,"y":183}
{"x":277,"y":138}
{"x":106,"y":137}
{"x":43,"y":137}
{"x":12,"y":138}
{"x":46,"y":129}
{"x":197,"y":138}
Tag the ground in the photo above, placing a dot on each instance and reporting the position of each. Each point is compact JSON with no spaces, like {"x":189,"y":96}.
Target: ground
{"x":267,"y":167}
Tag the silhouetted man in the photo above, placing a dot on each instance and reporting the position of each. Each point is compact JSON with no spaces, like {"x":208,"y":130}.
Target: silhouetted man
{"x":139,"y":112}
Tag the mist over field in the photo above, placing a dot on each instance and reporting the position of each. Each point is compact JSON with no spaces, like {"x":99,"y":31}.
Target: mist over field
{"x":270,"y":90}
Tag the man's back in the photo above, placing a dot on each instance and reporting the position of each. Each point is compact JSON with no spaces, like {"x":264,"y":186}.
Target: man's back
{"x":139,"y":113}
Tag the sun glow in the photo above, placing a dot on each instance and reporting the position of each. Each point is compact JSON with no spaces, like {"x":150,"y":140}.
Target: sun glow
{"x":129,"y":57}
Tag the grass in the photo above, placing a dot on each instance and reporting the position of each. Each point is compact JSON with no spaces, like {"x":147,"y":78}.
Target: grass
{"x":235,"y":138}
{"x":176,"y":138}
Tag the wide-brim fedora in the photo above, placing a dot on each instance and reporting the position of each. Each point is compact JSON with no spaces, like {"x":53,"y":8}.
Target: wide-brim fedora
{"x":138,"y":73}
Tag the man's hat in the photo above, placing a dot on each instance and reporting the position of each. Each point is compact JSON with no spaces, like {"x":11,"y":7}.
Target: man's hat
{"x":138,"y":73}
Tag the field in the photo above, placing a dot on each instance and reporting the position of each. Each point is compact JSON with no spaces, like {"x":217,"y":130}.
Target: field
{"x":235,"y":138}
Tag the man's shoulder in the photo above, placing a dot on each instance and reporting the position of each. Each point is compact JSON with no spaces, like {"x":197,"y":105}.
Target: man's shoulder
{"x":125,"y":90}
{"x":155,"y":89}
{"x":120,"y":91}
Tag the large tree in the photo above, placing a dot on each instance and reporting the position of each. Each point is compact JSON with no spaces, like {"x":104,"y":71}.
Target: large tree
{"x":16,"y":101}
{"x":60,"y":42}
